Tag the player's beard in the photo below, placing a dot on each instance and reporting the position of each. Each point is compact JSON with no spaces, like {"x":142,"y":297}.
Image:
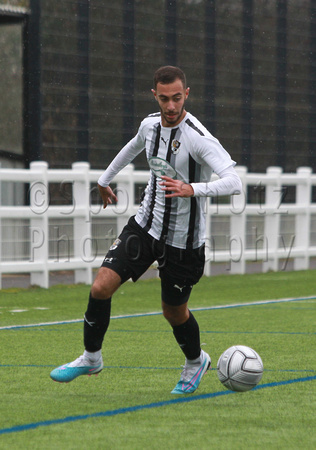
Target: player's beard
{"x":174,"y":119}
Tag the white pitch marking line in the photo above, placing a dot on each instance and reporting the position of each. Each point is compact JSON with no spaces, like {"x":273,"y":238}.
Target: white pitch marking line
{"x":156,"y":313}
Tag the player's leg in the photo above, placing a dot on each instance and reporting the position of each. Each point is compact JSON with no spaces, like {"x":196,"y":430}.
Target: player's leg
{"x":185,"y":327}
{"x":96,"y":322}
{"x":187,"y":333}
{"x":180,"y":271}
{"x":97,"y":316}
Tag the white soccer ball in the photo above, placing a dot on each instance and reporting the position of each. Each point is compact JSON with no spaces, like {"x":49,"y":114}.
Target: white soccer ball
{"x":239,"y":368}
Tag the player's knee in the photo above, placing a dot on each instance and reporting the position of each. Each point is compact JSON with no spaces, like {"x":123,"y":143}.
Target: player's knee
{"x":105,"y":284}
{"x":102,"y":290}
{"x":175,"y":315}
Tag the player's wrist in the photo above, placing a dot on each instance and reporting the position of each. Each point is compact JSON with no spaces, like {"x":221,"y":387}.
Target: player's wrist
{"x":187,"y":190}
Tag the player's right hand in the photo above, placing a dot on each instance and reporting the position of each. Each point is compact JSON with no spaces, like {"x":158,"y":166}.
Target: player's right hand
{"x":107,"y":195}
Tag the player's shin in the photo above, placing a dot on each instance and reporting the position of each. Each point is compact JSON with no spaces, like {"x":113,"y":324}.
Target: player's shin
{"x":188,"y":337}
{"x":96,"y":322}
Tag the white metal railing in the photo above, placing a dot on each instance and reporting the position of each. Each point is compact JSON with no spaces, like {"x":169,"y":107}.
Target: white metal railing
{"x":42,"y":237}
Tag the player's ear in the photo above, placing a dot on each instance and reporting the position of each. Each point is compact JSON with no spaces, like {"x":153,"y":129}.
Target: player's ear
{"x":187,"y":91}
{"x":155,"y":93}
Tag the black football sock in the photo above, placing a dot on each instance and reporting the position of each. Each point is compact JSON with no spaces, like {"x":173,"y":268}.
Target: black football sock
{"x":188,"y":337}
{"x":96,"y":322}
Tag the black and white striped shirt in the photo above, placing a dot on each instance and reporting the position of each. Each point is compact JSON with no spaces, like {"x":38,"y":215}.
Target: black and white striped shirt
{"x":187,"y":152}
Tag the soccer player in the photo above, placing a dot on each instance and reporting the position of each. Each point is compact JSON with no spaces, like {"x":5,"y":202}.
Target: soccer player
{"x":169,"y":226}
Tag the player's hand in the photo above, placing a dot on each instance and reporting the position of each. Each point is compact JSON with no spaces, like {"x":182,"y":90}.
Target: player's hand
{"x":176,"y":188}
{"x":107,"y":195}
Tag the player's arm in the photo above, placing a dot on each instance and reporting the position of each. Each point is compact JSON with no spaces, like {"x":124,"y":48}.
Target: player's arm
{"x":229,"y":183}
{"x":124,"y":157}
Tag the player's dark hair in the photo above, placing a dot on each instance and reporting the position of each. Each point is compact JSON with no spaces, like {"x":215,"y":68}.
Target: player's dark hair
{"x":169,"y":74}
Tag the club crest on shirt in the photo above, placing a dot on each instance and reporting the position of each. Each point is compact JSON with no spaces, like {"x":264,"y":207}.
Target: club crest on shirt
{"x":175,"y":146}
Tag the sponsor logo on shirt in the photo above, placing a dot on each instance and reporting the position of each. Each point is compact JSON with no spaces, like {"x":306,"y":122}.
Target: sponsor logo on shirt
{"x":161,"y":167}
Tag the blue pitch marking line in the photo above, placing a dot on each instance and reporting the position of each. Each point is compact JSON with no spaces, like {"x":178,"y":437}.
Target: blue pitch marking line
{"x":158,"y":313}
{"x":130,"y":409}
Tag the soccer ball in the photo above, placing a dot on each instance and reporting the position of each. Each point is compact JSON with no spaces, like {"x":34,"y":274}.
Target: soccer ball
{"x":239,"y":368}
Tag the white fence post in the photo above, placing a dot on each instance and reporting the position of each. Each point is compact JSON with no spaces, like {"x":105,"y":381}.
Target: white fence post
{"x":39,"y":233}
{"x":272,"y":217}
{"x":237,"y":244}
{"x":82,"y":224}
{"x":302,"y":219}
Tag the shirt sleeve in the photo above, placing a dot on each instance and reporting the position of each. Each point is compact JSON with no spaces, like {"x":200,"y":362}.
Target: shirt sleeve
{"x":210,"y":151}
{"x":228,"y":183}
{"x":124,"y":157}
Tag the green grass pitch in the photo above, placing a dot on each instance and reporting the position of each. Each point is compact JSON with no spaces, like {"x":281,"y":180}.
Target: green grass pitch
{"x":129,"y":405}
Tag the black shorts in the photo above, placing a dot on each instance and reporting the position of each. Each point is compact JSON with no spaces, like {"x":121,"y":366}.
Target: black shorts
{"x":134,"y":251}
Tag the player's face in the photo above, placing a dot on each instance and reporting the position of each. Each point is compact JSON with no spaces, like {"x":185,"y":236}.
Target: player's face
{"x":171,"y":98}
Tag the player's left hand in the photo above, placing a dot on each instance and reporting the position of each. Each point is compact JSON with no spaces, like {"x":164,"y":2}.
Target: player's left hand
{"x":176,"y":188}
